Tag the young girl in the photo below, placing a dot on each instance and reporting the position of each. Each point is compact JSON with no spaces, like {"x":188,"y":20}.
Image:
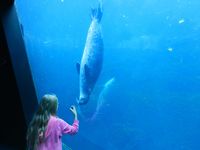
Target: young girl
{"x":45,"y":130}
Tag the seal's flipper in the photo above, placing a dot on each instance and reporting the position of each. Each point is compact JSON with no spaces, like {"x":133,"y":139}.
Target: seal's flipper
{"x":78,"y":68}
{"x":96,"y":13}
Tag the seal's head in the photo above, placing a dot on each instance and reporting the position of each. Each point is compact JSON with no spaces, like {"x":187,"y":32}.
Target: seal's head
{"x":83,"y":100}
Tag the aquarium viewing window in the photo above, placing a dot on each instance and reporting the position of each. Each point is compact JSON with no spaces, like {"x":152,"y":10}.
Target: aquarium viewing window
{"x":147,"y":92}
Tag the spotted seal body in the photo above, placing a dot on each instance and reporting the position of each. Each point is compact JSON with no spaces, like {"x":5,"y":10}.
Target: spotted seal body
{"x":92,"y":58}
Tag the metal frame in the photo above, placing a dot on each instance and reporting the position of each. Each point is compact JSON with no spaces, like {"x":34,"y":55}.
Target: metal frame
{"x":19,"y":58}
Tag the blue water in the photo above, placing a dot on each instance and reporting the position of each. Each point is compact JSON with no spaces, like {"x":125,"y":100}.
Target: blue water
{"x":152,"y":49}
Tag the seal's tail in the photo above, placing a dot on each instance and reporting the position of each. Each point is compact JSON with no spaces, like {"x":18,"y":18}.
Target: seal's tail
{"x":96,"y":13}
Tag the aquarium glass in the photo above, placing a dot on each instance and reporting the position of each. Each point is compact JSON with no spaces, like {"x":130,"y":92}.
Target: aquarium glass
{"x":147,"y":96}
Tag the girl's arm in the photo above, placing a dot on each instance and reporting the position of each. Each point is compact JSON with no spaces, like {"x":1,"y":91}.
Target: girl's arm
{"x":70,"y":129}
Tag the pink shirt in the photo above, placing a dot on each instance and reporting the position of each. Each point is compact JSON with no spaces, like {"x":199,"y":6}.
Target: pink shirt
{"x":55,"y":129}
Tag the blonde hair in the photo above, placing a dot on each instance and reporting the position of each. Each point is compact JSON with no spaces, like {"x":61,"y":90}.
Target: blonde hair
{"x":36,"y":130}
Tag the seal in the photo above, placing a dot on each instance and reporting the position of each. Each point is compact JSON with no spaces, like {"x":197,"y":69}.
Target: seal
{"x":91,"y":63}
